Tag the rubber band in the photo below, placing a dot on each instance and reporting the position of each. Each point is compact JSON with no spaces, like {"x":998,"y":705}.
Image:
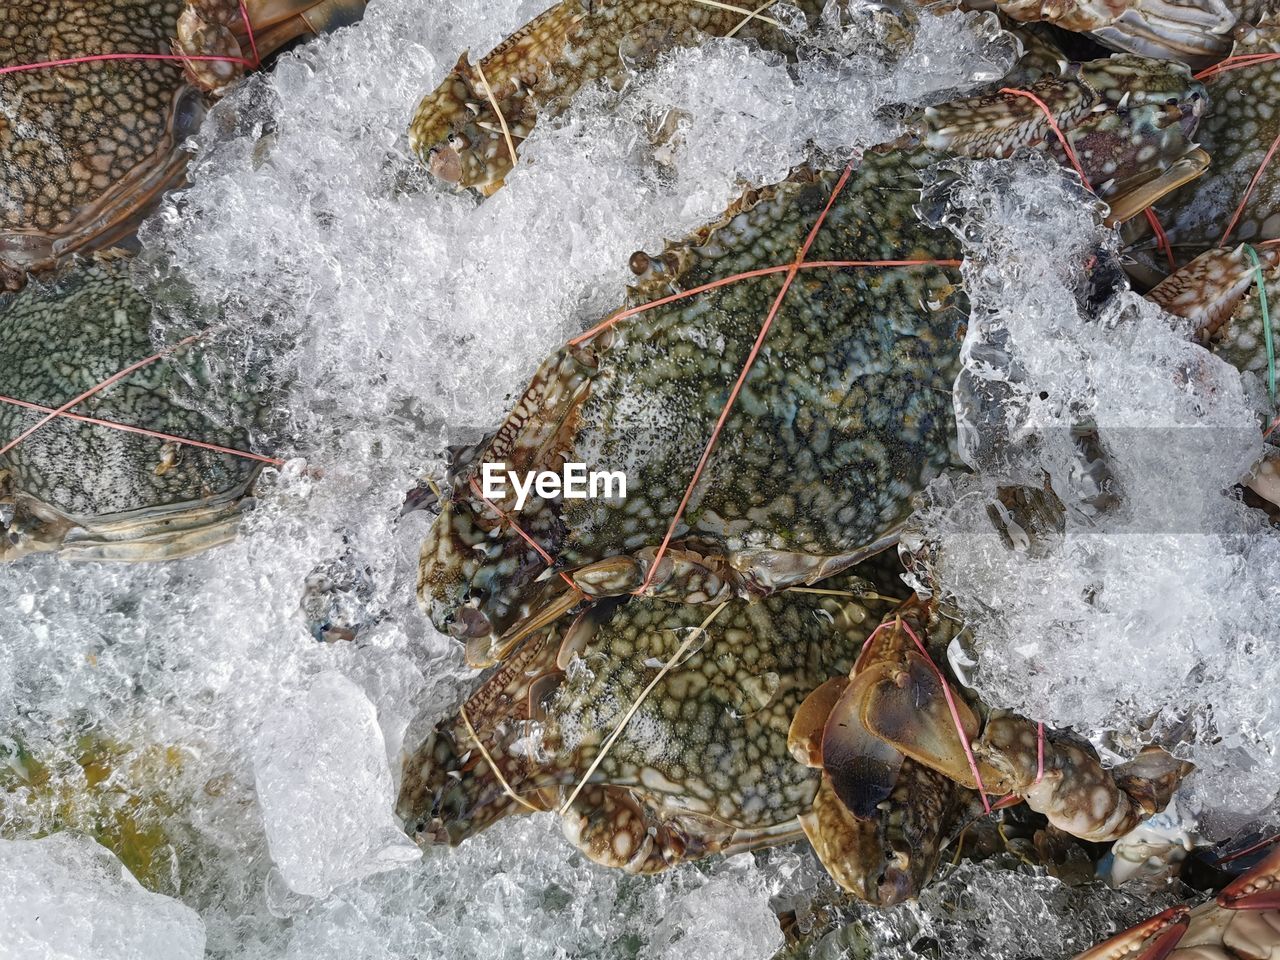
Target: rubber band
{"x":126,"y":428}
{"x":248,"y":28}
{"x":1271,"y":152}
{"x":462,"y":712}
{"x":1260,"y":280}
{"x":172,"y":57}
{"x":550,"y":560}
{"x":753,"y":15}
{"x":951,"y":706}
{"x":742,"y":377}
{"x":750,"y":15}
{"x":749,"y":274}
{"x":1162,"y":239}
{"x":502,"y":121}
{"x":114,"y":378}
{"x":1235,"y":63}
{"x":98,"y":57}
{"x":1053,"y":125}
{"x":622,"y":724}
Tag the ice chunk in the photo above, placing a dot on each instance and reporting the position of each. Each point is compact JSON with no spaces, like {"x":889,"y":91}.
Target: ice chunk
{"x":729,"y":917}
{"x":325,"y":789}
{"x":995,"y":909}
{"x":65,"y":897}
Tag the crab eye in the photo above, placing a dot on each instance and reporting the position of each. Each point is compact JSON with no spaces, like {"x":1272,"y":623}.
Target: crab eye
{"x":458,"y":141}
{"x":1172,"y":101}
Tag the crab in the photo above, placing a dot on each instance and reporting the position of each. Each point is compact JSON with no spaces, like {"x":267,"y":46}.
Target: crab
{"x":1197,"y":33}
{"x":895,"y":716}
{"x":468,"y":130}
{"x":845,"y":412}
{"x":1238,"y":198}
{"x":82,"y":487}
{"x":88,"y":148}
{"x":1241,"y":923}
{"x":658,"y":734}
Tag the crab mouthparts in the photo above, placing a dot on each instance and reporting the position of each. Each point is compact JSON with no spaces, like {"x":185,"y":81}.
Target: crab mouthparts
{"x":445,"y":164}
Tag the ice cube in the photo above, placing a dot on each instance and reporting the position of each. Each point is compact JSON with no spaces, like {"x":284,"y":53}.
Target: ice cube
{"x":325,"y":789}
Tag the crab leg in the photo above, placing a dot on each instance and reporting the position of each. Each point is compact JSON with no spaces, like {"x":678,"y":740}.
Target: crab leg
{"x":1241,"y":923}
{"x":1259,"y":889}
{"x":1152,"y":939}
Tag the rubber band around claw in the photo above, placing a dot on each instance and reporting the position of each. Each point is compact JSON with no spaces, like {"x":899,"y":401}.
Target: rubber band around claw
{"x":951,"y":704}
{"x":1162,"y":241}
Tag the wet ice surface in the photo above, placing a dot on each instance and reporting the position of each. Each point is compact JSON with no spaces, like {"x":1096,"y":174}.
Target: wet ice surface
{"x":1147,"y":619}
{"x":324,"y":786}
{"x":397,"y":319}
{"x":68,"y":898}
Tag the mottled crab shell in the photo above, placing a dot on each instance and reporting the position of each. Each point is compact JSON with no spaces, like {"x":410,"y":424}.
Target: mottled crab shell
{"x":1237,"y":132}
{"x":703,"y":760}
{"x":90,"y":491}
{"x":1196,"y":32}
{"x":846,"y":412}
{"x":88,"y":148}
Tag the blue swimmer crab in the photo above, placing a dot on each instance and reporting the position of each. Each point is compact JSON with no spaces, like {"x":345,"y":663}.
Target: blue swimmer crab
{"x":1241,"y":923}
{"x":468,"y":129}
{"x":86,"y":489}
{"x":660,"y":735}
{"x":845,"y":412}
{"x":88,"y":148}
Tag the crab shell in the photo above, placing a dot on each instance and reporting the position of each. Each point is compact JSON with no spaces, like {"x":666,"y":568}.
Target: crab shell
{"x":701,"y":764}
{"x":845,"y":413}
{"x":1197,"y":33}
{"x":94,"y":492}
{"x":1238,"y":198}
{"x":89,"y":148}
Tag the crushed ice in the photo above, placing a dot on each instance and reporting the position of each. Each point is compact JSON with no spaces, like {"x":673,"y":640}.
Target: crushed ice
{"x":397,"y":318}
{"x":1146,"y":619}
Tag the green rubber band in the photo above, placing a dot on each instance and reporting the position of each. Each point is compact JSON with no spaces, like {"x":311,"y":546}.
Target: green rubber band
{"x":1266,"y":321}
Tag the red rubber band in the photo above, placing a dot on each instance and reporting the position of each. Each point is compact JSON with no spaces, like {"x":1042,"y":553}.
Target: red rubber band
{"x":951,"y":704}
{"x":127,"y":428}
{"x":1235,"y":63}
{"x":1053,"y":124}
{"x":1253,"y":184}
{"x":475,"y":487}
{"x":114,"y":378}
{"x":99,"y":57}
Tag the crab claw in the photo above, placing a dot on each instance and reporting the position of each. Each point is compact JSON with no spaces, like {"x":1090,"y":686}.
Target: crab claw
{"x":804,"y":737}
{"x":1152,"y":939}
{"x":1259,"y":889}
{"x":863,"y":768}
{"x":905,"y":705}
